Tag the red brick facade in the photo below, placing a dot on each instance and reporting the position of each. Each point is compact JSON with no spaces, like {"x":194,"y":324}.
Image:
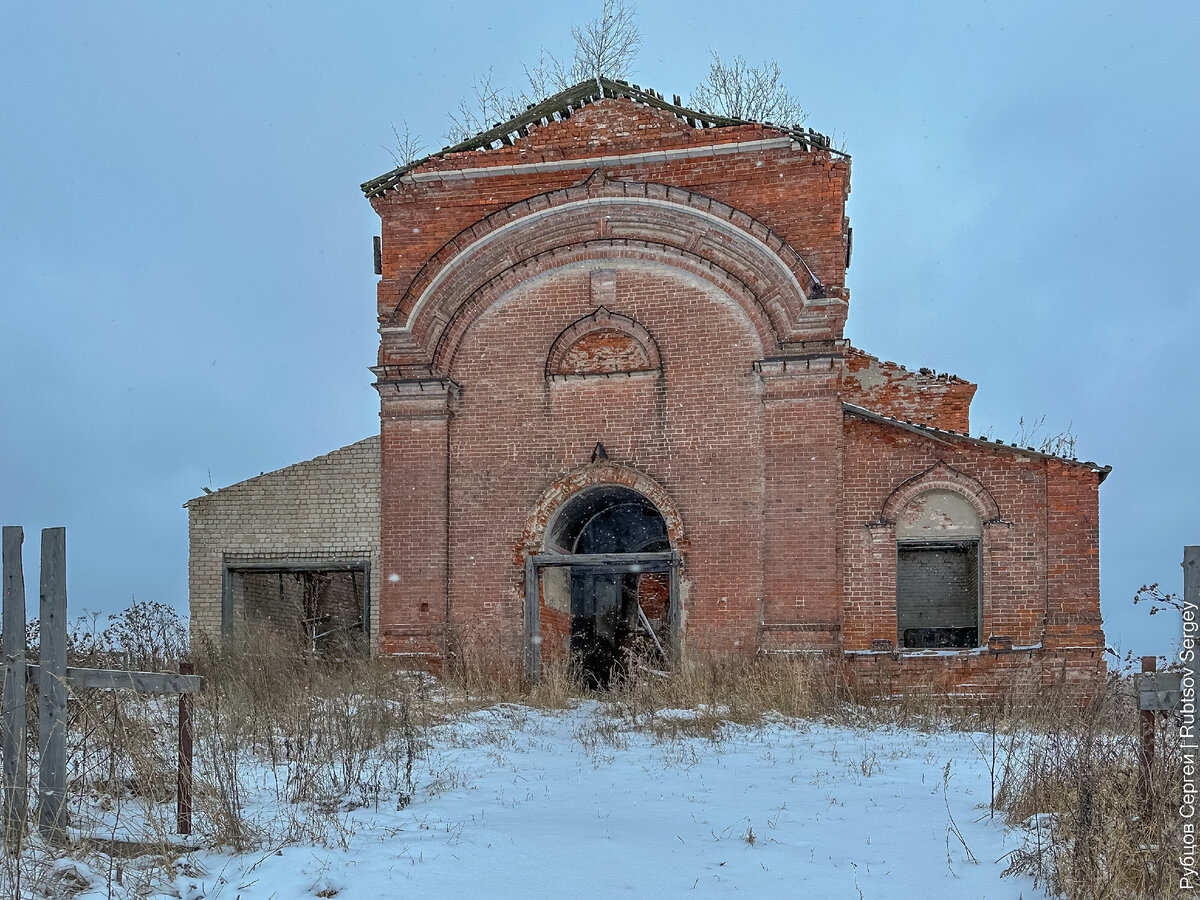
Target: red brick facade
{"x":677,"y":295}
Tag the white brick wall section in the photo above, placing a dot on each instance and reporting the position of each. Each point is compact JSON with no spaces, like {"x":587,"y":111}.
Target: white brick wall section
{"x":324,"y":508}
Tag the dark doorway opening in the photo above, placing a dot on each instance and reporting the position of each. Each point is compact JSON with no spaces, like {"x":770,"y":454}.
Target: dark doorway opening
{"x":323,"y":609}
{"x":620,"y":611}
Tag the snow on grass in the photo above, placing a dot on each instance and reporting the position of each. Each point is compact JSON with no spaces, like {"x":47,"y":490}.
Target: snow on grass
{"x":518,"y":802}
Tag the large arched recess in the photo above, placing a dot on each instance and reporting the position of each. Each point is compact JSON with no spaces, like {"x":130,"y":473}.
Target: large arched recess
{"x":600,"y":219}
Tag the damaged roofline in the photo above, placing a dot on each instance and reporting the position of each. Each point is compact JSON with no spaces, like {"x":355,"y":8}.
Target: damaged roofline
{"x":941,"y":434}
{"x":562,"y":105}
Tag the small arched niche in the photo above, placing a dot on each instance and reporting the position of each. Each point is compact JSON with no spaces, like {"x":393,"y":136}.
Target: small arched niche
{"x":603,"y":343}
{"x":939,"y":515}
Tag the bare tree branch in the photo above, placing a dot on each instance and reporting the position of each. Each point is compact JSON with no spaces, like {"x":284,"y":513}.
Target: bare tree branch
{"x":548,"y":77}
{"x":488,"y":105}
{"x":407,"y":148}
{"x":607,"y":45}
{"x":739,"y":90}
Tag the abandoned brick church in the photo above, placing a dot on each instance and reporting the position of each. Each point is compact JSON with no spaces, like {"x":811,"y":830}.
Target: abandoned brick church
{"x":617,"y":410}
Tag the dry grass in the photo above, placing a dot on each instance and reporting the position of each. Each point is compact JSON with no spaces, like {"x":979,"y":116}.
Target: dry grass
{"x":340,"y":735}
{"x":1071,"y":779}
{"x":336,"y":734}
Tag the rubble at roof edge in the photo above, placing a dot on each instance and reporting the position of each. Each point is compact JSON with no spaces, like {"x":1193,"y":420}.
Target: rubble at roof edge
{"x":565,"y":103}
{"x":871,"y":414}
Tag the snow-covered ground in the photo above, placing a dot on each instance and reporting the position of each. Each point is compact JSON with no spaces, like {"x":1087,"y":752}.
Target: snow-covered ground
{"x":517,"y":802}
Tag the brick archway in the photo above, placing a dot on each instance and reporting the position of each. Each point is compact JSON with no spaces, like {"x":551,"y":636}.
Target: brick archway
{"x":641,"y":350}
{"x":602,"y":219}
{"x":940,"y":476}
{"x":533,"y":539}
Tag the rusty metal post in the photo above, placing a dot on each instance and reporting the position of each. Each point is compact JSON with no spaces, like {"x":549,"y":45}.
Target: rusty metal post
{"x":1146,"y":750}
{"x":183,"y":787}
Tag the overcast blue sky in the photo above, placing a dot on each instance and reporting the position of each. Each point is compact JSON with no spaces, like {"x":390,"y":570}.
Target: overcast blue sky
{"x":185,"y":255}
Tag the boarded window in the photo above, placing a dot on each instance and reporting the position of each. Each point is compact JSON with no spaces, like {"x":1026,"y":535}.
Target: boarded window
{"x":937,"y":594}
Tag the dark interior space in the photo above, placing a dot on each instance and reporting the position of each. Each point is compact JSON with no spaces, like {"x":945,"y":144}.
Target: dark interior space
{"x":615,"y":615}
{"x":323,"y":609}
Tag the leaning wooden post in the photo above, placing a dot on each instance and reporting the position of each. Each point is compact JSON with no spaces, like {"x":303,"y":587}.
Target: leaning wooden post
{"x":1146,"y":750}
{"x":13,"y":750}
{"x":52,"y":685}
{"x":183,"y":788}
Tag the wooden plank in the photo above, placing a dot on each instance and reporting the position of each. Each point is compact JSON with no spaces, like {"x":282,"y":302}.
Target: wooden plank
{"x":142,"y":682}
{"x":533,"y":622}
{"x":183,"y":782}
{"x":1191,"y":596}
{"x":650,"y":631}
{"x":226,"y":604}
{"x":52,"y":719}
{"x":125,"y":679}
{"x":675,"y":612}
{"x":628,"y":562}
{"x":14,"y":769}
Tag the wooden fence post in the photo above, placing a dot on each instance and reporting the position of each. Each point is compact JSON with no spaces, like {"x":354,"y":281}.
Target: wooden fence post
{"x":1146,"y":750}
{"x":14,"y":810}
{"x":52,"y":708}
{"x":183,"y":788}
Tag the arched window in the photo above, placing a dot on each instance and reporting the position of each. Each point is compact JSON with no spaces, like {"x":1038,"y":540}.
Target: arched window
{"x":937,"y":572}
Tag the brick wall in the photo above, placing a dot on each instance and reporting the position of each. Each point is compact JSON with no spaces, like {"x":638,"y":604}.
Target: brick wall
{"x":676,"y":294}
{"x":800,"y":193}
{"x":322,"y":509}
{"x":695,"y":427}
{"x":924,"y":396}
{"x":1040,"y":581}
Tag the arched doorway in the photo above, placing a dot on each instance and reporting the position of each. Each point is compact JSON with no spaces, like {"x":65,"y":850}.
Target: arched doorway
{"x":608,"y":562}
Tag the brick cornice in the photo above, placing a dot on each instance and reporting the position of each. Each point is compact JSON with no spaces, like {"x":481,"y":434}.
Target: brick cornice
{"x":415,"y":398}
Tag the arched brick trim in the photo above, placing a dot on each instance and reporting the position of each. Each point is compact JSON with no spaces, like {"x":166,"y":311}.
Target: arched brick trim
{"x":715,"y":234}
{"x":940,"y":476}
{"x":603,"y":472}
{"x":601,"y":320}
{"x":449,"y":335}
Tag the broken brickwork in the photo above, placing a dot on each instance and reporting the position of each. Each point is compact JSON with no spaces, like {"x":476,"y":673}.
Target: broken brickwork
{"x":615,"y":297}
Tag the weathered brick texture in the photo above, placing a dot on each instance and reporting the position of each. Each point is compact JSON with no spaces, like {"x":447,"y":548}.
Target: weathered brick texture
{"x":677,"y":295}
{"x":925,"y":396}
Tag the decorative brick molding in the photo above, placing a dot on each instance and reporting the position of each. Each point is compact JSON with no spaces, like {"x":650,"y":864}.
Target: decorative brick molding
{"x":603,"y":343}
{"x":609,"y":253}
{"x":601,"y":472}
{"x":678,"y":224}
{"x":940,"y":476}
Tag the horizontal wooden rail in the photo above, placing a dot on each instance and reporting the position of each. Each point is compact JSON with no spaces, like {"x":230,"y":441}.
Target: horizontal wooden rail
{"x":121,"y":679}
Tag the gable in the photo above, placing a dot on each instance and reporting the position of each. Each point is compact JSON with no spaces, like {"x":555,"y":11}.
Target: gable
{"x":572,"y":121}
